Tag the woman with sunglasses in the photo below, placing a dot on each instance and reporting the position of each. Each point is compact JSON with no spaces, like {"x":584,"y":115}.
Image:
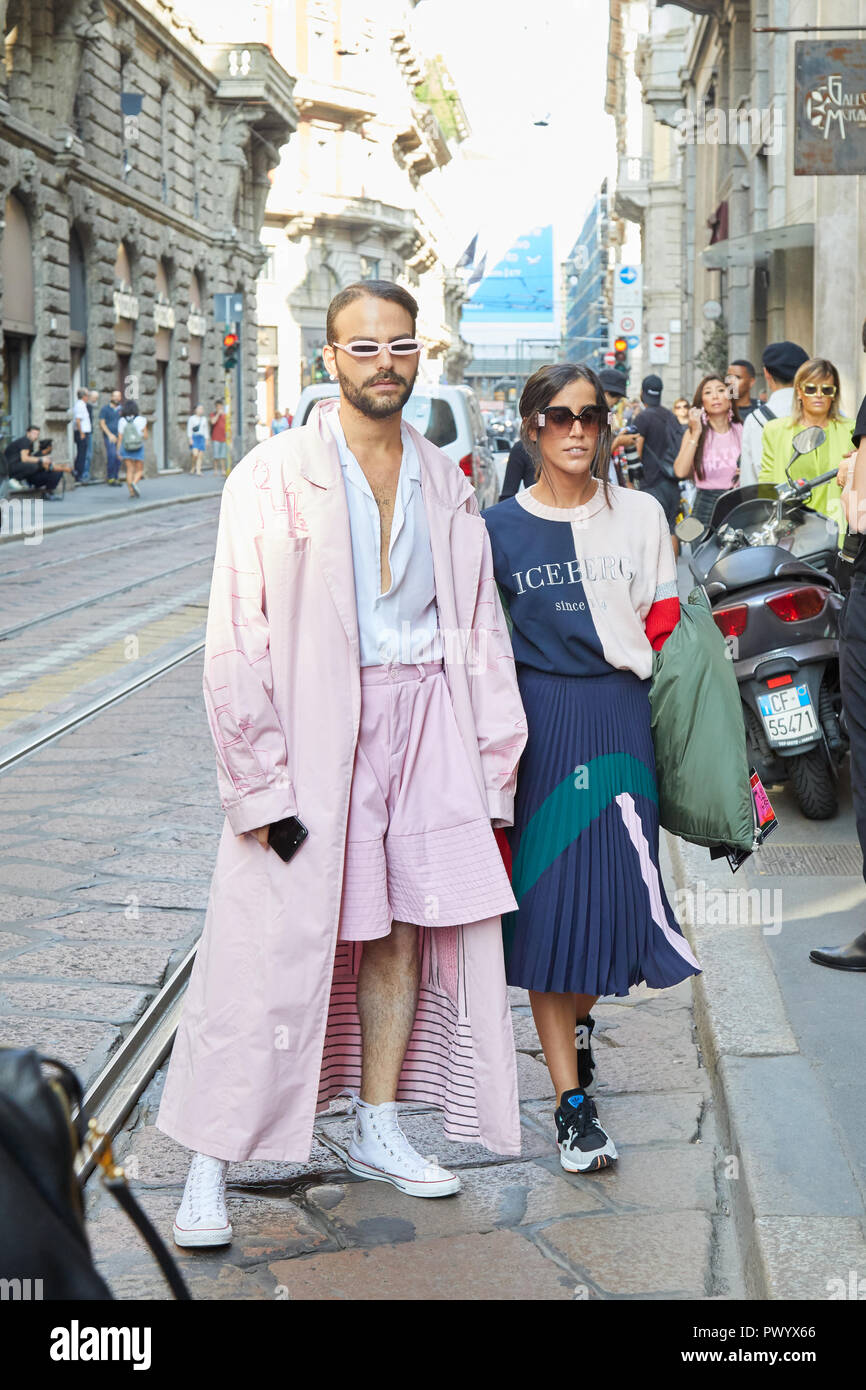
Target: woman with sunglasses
{"x":587,"y":573}
{"x":709,"y":455}
{"x":816,"y":402}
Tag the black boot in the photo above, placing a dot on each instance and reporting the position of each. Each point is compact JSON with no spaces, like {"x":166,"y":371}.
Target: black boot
{"x":850,"y":957}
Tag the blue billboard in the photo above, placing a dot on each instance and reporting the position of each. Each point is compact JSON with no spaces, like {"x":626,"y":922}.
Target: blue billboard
{"x":520,"y":288}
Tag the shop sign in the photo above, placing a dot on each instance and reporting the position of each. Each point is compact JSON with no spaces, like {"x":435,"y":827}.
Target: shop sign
{"x":830,"y":96}
{"x":125,"y":305}
{"x":163,"y":316}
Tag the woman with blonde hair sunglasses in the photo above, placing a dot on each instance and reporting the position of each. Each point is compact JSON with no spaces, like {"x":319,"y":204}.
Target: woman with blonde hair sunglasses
{"x":816,"y":402}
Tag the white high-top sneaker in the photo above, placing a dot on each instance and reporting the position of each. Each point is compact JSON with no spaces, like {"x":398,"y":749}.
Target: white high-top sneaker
{"x":380,"y":1150}
{"x":202,"y":1218}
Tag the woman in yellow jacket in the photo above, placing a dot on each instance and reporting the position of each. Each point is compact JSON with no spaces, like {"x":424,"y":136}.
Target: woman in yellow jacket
{"x":816,"y":402}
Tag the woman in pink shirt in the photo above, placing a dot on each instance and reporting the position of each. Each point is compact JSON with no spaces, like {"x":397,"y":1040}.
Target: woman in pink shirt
{"x":710,"y":451}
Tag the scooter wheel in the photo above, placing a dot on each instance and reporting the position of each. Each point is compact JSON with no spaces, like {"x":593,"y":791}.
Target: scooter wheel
{"x":814,"y":784}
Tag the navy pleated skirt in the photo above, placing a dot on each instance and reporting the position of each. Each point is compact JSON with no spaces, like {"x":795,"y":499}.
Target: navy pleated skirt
{"x":592,"y":917}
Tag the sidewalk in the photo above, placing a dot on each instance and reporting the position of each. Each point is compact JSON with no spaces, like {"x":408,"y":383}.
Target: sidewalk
{"x":91,"y":502}
{"x":783,"y":1042}
{"x":653,"y":1226}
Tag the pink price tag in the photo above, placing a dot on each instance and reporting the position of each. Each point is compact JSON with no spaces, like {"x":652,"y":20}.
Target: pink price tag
{"x":762,"y":803}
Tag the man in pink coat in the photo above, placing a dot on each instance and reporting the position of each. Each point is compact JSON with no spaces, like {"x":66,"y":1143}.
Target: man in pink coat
{"x":360,"y":686}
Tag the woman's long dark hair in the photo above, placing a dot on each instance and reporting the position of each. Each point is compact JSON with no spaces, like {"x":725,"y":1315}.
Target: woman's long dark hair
{"x":130,"y":409}
{"x":698,"y":401}
{"x":537,"y":394}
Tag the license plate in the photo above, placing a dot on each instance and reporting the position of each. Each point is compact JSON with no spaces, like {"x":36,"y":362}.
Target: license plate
{"x":788,"y":714}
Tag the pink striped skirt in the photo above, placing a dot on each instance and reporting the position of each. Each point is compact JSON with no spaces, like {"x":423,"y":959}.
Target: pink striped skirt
{"x":419,"y":845}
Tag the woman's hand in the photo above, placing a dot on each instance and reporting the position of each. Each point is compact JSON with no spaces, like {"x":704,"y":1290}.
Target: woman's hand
{"x":262,"y":834}
{"x":694,"y":421}
{"x":845,"y":476}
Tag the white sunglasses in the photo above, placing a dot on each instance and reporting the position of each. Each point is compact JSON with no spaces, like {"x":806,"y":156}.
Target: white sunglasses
{"x":401,"y":347}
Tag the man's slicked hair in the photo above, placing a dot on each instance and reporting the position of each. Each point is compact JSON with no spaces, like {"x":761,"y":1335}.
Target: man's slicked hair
{"x":375,"y":289}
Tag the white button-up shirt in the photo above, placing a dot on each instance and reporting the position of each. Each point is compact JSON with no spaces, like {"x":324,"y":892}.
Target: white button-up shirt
{"x":81,"y":417}
{"x":402,"y":624}
{"x":781,"y":403}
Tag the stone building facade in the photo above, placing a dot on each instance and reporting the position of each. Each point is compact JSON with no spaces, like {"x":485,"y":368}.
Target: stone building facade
{"x":357,"y":194}
{"x":134,"y":169}
{"x":737,"y":238}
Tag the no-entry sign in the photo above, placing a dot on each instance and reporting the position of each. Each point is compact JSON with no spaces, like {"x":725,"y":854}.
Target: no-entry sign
{"x":660,"y":348}
{"x":609,"y":359}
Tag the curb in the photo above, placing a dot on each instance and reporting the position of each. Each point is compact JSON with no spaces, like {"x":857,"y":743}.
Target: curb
{"x":60,"y":525}
{"x":797,"y":1207}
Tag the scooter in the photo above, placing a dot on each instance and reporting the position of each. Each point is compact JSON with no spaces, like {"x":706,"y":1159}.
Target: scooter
{"x":767,"y":564}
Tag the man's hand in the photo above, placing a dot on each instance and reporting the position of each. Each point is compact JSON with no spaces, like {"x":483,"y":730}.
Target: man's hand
{"x":261,"y":834}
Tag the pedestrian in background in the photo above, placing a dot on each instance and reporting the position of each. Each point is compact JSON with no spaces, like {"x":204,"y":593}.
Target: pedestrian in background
{"x":681,"y":409}
{"x":109,"y":417}
{"x":92,"y":408}
{"x":816,"y":402}
{"x":217,"y":420}
{"x":279,"y":423}
{"x":740,"y":380}
{"x":519,"y":471}
{"x":587,"y":571}
{"x":656,"y":434}
{"x":196,"y":433}
{"x":781,"y":362}
{"x":27,"y":463}
{"x":709,"y":454}
{"x":613,"y":385}
{"x":132,"y":429}
{"x":82,"y":429}
{"x":852,"y":669}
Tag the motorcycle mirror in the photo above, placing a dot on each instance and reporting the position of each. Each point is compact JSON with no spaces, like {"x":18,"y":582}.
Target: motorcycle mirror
{"x":690,"y":529}
{"x":804,"y":443}
{"x":809,"y":439}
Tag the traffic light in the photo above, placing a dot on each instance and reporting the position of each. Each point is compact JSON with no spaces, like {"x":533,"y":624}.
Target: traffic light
{"x":620,"y":347}
{"x":230,"y":349}
{"x":318,"y":370}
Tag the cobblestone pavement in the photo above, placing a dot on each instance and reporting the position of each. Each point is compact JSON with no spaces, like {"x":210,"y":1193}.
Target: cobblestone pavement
{"x":651,"y":1227}
{"x":107,"y":843}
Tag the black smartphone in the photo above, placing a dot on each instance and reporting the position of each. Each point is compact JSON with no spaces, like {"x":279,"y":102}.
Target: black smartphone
{"x":287,"y":836}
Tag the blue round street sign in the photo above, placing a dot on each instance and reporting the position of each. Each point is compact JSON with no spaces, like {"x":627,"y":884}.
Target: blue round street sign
{"x":633,"y":341}
{"x":628,"y":275}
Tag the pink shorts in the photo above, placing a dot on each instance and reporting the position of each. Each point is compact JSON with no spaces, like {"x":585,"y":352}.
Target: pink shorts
{"x":419,"y":846}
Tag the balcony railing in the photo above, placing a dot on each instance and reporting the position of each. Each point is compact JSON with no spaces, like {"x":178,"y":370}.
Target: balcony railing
{"x":634,"y":171}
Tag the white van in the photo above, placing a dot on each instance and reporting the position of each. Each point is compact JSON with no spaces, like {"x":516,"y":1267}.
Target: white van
{"x":449,"y":416}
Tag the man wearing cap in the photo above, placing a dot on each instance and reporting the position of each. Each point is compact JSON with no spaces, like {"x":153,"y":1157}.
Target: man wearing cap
{"x":613,"y":385}
{"x":780,"y":362}
{"x":657,"y":435}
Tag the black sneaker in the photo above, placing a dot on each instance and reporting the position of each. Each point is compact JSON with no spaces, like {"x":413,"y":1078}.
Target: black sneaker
{"x":587,"y":1067}
{"x":583,"y":1144}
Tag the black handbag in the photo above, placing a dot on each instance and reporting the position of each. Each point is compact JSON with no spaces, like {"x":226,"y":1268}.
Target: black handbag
{"x":44,"y":1248}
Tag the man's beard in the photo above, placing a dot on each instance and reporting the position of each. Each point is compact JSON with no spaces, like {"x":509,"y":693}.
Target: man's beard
{"x":376,"y":407}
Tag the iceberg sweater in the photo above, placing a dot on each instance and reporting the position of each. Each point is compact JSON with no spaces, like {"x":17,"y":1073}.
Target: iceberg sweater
{"x":589,"y":589}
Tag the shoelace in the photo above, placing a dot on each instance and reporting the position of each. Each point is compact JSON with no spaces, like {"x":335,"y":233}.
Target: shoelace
{"x":389,"y":1134}
{"x":577,"y":1122}
{"x":200,"y":1184}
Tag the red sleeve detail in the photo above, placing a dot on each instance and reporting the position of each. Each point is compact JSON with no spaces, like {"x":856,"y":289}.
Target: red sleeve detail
{"x":661,"y":621}
{"x":504,"y":850}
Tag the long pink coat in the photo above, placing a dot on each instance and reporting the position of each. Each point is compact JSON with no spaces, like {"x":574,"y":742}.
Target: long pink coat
{"x":270,"y":1032}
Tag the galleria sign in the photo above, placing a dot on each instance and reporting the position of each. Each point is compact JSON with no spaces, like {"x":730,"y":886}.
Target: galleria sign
{"x":830,"y":125}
